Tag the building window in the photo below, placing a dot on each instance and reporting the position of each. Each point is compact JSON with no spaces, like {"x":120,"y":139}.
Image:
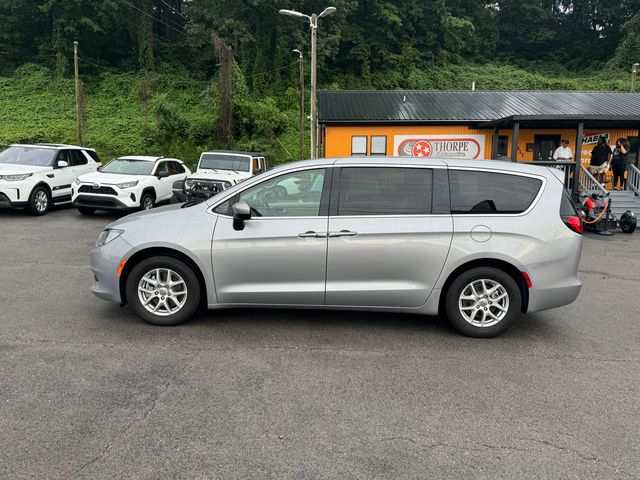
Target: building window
{"x":379,"y":145}
{"x":359,"y":146}
{"x":503,"y":146}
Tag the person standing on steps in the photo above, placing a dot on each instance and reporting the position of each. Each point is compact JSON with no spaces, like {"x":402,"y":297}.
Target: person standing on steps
{"x":600,"y":158}
{"x":620,"y":163}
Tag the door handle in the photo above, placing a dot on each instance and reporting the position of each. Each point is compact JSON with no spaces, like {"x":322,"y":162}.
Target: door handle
{"x":312,"y":234}
{"x":342,"y":233}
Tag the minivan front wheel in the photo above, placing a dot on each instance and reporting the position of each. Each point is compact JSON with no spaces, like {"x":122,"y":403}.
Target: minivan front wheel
{"x":163,"y":291}
{"x":483,"y":302}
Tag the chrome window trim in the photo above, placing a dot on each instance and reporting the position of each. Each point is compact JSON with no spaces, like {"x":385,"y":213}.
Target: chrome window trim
{"x":286,"y":172}
{"x":503,"y":172}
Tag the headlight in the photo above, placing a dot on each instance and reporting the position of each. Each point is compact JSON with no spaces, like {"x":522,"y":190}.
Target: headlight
{"x":107,"y":236}
{"x":127,"y":185}
{"x":15,"y":178}
{"x":188,"y":184}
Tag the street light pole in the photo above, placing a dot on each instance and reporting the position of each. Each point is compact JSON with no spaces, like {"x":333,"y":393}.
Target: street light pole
{"x":314,"y":85}
{"x":313,"y":22}
{"x":634,"y":76}
{"x":301,"y":64}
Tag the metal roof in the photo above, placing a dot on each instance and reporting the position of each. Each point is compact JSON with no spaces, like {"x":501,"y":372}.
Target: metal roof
{"x":436,"y":106}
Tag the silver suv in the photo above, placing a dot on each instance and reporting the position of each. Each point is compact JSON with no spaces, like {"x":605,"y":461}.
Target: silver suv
{"x":480,"y":241}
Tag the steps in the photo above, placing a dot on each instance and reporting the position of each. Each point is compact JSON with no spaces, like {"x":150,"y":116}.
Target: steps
{"x":623,"y":201}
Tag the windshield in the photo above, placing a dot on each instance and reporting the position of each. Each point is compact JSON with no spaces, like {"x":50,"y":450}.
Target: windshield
{"x":222,"y":161}
{"x":37,"y":157}
{"x":126,"y":166}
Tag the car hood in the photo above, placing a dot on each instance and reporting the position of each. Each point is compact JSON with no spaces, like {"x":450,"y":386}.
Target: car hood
{"x":13,"y":169}
{"x":224,"y":175}
{"x":109,"y":178}
{"x":155,"y":216}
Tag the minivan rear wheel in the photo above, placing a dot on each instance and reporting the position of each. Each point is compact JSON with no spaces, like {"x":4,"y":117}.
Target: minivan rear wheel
{"x":163,"y":291}
{"x":483,"y":302}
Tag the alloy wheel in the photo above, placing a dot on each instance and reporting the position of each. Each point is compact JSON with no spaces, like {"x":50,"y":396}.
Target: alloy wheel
{"x":162,"y":292}
{"x":483,"y":303}
{"x":41,"y":200}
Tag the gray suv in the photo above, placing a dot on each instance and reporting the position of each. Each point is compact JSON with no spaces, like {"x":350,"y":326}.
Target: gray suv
{"x":481,"y":241}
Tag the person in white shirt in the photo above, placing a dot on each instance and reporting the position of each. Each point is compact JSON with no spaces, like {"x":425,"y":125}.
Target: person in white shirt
{"x":563,"y":153}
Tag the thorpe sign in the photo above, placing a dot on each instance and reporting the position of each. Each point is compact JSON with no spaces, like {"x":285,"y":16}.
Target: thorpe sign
{"x":440,"y":146}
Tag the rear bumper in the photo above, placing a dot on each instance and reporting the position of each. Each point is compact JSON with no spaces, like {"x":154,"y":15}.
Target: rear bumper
{"x":545,"y":298}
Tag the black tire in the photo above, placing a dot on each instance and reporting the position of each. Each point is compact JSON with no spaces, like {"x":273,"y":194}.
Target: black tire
{"x":147,"y":201}
{"x":86,"y":211}
{"x":39,"y":201}
{"x":482,"y":307}
{"x":628,"y":222}
{"x":192,"y":287}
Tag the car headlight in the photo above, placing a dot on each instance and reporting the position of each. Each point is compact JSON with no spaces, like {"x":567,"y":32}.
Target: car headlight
{"x":108,"y":235}
{"x":15,"y":178}
{"x":188,"y":184}
{"x":127,"y":185}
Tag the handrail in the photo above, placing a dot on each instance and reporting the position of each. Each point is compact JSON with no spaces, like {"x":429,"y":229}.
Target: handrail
{"x":633,"y":179}
{"x":566,"y":167}
{"x":588,"y":183}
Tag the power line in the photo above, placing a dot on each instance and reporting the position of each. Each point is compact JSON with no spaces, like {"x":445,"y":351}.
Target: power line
{"x":177,"y":12}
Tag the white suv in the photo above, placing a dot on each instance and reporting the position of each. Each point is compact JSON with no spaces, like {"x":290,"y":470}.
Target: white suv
{"x":37,"y":176}
{"x":128,"y":183}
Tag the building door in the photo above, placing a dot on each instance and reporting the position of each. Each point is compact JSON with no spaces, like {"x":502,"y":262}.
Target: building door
{"x":544,"y":146}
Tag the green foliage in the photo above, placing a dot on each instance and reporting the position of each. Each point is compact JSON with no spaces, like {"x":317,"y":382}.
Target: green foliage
{"x":152,"y":79}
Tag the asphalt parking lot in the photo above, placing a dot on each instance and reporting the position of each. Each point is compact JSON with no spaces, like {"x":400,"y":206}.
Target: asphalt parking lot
{"x":89,"y":391}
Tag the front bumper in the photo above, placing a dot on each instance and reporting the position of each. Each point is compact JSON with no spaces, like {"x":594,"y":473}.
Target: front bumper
{"x":13,"y":195}
{"x":5,"y":201}
{"x":101,"y":202}
{"x":105,"y":261}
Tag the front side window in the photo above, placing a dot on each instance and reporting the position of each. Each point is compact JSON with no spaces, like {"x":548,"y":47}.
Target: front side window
{"x":358,"y":146}
{"x":127,"y":166}
{"x":378,"y":145}
{"x":292,"y":195}
{"x":385,"y":191}
{"x":474,"y":192}
{"x":225,"y":161}
{"x":77,"y":158}
{"x":36,"y":157}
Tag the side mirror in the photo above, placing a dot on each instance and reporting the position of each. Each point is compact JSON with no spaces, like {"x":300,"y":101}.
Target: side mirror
{"x":163,"y":174}
{"x":241,"y":212}
{"x":100,"y":168}
{"x":62,"y":164}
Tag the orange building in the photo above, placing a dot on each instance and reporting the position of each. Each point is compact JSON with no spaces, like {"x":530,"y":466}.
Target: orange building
{"x":522,"y":126}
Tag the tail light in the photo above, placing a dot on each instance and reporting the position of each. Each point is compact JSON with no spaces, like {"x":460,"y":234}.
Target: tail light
{"x":574,"y":223}
{"x":569,"y":213}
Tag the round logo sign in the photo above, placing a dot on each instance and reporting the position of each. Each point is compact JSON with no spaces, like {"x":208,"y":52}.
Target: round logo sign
{"x":422,"y":148}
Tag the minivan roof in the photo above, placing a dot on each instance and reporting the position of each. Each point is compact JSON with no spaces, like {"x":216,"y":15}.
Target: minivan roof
{"x":420,"y":161}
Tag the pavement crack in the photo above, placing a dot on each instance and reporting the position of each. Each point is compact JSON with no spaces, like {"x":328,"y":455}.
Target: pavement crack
{"x":141,"y":419}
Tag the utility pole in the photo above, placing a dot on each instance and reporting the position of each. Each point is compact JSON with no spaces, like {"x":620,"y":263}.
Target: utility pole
{"x":313,"y":22}
{"x":301,"y":64}
{"x":314,"y":85}
{"x":634,"y":76}
{"x":77,"y":81}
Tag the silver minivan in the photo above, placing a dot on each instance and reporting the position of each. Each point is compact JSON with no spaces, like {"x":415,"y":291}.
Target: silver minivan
{"x":479,"y":241}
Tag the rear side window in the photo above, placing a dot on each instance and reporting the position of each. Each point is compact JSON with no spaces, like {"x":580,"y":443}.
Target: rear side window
{"x":474,"y":192}
{"x":93,"y":155}
{"x":567,"y":207}
{"x":385,"y":191}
